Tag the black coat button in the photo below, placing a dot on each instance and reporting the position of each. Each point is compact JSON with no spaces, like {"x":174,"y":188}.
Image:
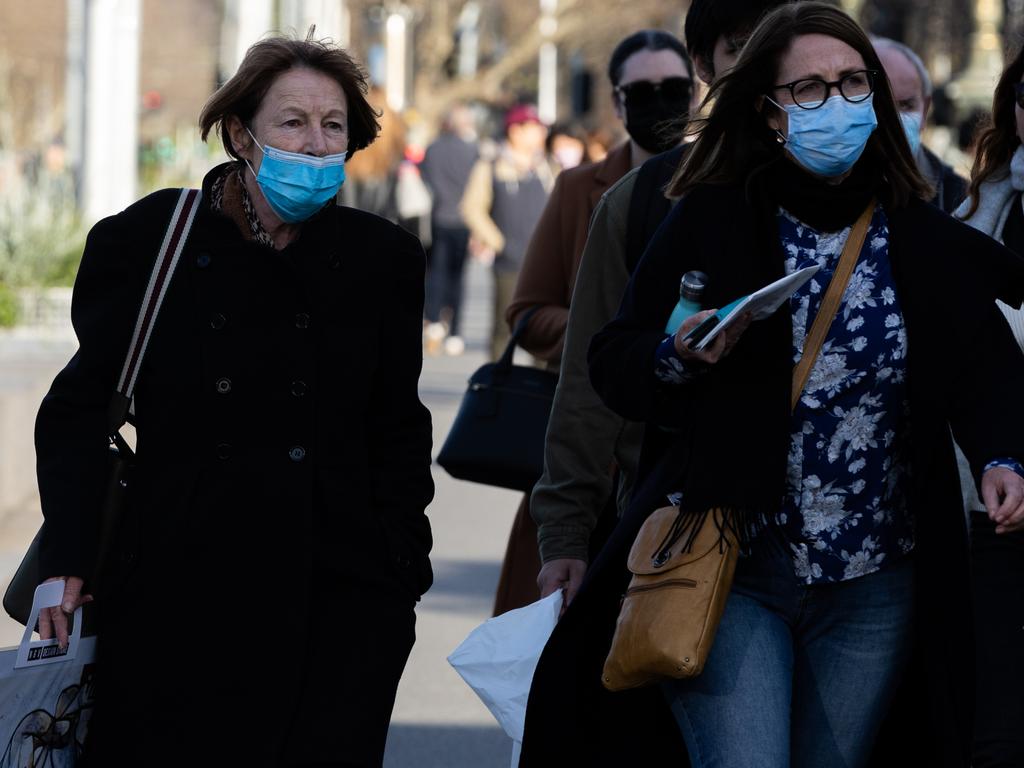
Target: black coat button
{"x":335,"y":261}
{"x":302,"y":321}
{"x":218,"y":321}
{"x":299,"y":388}
{"x":203,"y":260}
{"x":223,"y":386}
{"x":297,"y":453}
{"x":224,"y":451}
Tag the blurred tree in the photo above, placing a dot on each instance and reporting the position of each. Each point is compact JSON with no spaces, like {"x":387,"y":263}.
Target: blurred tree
{"x":508,"y":40}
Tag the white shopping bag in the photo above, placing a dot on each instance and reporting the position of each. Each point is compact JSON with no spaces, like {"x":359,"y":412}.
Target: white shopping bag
{"x":498,"y":659}
{"x":46,"y":694}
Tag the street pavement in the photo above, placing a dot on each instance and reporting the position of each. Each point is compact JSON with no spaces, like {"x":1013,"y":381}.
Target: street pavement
{"x":438,"y":721}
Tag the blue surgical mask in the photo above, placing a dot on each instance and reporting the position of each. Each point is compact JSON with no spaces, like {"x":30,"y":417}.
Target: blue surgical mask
{"x":296,"y":186}
{"x":912,"y":127}
{"x":830,"y":139}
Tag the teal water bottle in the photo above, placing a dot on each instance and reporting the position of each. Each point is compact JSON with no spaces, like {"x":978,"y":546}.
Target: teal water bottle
{"x":691,"y":287}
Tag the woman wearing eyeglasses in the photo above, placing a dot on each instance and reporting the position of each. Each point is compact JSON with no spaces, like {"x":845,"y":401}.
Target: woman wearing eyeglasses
{"x":853,"y":591}
{"x":995,"y":208}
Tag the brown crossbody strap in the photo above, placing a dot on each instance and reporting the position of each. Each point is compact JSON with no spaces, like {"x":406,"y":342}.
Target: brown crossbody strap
{"x":830,"y":303}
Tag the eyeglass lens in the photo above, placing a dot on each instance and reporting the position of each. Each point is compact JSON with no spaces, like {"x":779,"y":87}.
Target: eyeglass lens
{"x":812,"y":93}
{"x":670,"y":89}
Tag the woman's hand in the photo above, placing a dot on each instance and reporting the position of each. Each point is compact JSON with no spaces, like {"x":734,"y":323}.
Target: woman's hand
{"x":1002,"y":490}
{"x":721,"y":345}
{"x":56,"y":618}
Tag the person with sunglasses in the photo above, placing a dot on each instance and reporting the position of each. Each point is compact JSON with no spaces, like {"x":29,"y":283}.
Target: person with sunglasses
{"x":852,"y":588}
{"x":591,"y":453}
{"x":652,"y":85}
{"x":995,"y":207}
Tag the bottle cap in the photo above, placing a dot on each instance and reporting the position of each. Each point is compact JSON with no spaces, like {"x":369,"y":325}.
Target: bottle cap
{"x":692,"y":285}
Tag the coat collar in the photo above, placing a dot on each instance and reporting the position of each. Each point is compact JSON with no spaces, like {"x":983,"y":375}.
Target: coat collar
{"x":616,"y":164}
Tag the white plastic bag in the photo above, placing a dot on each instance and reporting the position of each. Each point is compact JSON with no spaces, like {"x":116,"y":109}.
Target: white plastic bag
{"x":498,"y":658}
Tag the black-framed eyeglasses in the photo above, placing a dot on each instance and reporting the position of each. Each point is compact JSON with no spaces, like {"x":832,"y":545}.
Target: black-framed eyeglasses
{"x":812,"y":92}
{"x":1018,"y":90}
{"x":645,"y":91}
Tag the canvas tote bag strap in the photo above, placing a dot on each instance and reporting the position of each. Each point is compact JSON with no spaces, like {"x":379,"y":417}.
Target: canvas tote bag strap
{"x":830,"y":303}
{"x":163,"y":269}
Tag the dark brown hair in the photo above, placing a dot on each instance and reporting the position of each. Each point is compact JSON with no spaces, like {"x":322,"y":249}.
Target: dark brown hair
{"x":264,"y":62}
{"x":997,"y":137}
{"x":734,"y":139}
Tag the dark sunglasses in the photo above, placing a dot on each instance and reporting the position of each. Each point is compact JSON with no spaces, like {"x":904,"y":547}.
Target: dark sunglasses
{"x":644,"y":91}
{"x":1018,"y":89}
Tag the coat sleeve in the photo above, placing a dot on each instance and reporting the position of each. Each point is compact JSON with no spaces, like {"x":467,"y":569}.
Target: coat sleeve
{"x":544,"y":282}
{"x":476,"y":206}
{"x":71,"y":430}
{"x":622,"y":354}
{"x":582,"y":432}
{"x":400,"y":428}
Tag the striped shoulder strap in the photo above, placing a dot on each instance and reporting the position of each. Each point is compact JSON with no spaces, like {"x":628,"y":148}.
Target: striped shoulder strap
{"x":163,"y":269}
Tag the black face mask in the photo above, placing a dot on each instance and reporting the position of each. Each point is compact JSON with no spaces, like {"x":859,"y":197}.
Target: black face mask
{"x":656,"y":113}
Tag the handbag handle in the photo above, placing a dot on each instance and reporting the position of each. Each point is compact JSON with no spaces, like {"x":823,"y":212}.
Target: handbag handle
{"x":830,"y":303}
{"x":163,"y":269}
{"x":505,"y":361}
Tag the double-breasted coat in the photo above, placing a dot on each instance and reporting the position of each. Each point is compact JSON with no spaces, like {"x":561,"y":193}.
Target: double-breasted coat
{"x":283,"y":468}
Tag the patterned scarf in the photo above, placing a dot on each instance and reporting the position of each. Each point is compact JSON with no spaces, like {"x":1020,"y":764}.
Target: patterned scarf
{"x":230,"y":197}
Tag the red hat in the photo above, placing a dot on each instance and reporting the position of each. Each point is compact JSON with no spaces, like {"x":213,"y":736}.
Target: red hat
{"x":522,"y":113}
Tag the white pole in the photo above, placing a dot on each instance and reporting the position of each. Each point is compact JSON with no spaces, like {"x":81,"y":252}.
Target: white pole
{"x":110,"y":159}
{"x":395,"y":63}
{"x":547,"y":81}
{"x":74,"y":92}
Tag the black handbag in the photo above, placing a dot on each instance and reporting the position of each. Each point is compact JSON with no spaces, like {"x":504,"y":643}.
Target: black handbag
{"x":498,"y":434}
{"x":19,"y":594}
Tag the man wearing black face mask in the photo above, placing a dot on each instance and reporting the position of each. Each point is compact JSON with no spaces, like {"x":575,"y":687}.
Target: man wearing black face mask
{"x":652,"y":81}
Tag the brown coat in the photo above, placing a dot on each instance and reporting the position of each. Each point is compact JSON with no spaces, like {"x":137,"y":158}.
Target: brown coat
{"x":553,"y":256}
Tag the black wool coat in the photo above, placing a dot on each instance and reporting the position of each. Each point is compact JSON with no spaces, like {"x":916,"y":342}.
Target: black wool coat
{"x":281,"y":445}
{"x":964,"y":371}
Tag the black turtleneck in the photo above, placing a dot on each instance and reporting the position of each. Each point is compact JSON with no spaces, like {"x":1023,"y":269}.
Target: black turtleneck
{"x":827,"y":207}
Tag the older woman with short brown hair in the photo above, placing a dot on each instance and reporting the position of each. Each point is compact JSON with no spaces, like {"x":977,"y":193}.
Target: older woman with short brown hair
{"x":256,"y":607}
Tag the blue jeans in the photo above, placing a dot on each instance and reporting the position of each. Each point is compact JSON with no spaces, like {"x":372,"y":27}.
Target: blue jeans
{"x":798,"y":675}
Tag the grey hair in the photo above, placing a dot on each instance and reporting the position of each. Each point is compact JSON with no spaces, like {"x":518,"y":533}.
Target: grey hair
{"x":912,"y":57}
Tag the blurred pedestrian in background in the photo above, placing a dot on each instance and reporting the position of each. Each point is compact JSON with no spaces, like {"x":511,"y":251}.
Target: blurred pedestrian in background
{"x":566,"y":146}
{"x":503,"y":202}
{"x":283,"y":461}
{"x":912,"y":89}
{"x":446,"y":167}
{"x":651,"y":77}
{"x":591,"y":453}
{"x":855,"y":575}
{"x":995,"y":208}
{"x":372,"y":176}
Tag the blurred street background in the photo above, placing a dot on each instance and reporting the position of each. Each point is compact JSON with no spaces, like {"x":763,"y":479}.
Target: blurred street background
{"x":99,"y":102}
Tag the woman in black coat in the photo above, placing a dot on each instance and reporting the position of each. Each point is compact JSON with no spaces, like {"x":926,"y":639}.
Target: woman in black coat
{"x":854,"y":590}
{"x":257,"y":607}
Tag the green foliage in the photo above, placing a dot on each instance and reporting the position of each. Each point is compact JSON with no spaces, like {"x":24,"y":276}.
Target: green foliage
{"x":8,"y":306}
{"x":41,"y":236}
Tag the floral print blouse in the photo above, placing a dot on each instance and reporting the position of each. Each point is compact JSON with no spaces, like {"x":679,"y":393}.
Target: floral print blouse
{"x":845,"y":511}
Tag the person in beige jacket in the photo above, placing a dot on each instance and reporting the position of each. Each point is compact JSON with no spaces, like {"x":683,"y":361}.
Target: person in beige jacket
{"x":503,"y":201}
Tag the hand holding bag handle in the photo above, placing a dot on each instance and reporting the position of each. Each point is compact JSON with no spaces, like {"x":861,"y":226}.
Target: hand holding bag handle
{"x":19,"y":595}
{"x":683,"y":565}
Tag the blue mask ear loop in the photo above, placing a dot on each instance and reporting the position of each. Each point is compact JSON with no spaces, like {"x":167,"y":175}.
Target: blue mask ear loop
{"x":782,"y":139}
{"x":257,"y":143}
